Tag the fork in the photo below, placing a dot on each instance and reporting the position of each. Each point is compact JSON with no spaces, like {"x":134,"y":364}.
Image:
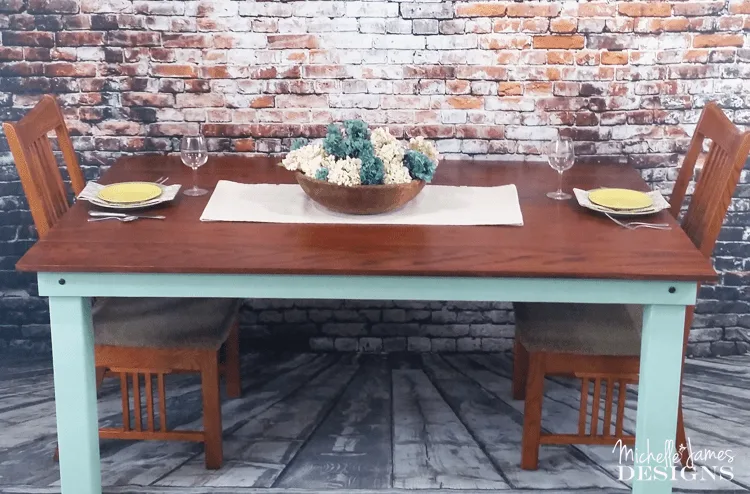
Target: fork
{"x":162,"y":180}
{"x":634,"y":225}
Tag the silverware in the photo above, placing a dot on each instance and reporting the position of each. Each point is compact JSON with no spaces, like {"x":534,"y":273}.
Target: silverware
{"x":162,"y":180}
{"x":634,"y":225}
{"x":103,"y":214}
{"x":126,"y":219}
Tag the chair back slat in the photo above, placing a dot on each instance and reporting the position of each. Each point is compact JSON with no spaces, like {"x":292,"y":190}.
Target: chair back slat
{"x":36,"y":163}
{"x":717,"y":179}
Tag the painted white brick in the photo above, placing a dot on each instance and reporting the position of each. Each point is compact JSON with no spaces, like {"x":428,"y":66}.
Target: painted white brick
{"x":455,"y":42}
{"x":399,"y":42}
{"x":530,"y":133}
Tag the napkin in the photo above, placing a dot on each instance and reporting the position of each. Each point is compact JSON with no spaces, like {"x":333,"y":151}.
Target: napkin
{"x":89,"y":193}
{"x":582,"y":196}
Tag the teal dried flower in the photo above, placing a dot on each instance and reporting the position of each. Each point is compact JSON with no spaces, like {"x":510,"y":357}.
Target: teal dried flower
{"x":356,"y":130}
{"x":321,"y":174}
{"x":372,"y":171}
{"x":334,"y":142}
{"x":298,"y":143}
{"x":420,"y":166}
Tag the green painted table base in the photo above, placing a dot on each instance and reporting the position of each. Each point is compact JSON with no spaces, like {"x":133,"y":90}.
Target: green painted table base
{"x":73,"y":342}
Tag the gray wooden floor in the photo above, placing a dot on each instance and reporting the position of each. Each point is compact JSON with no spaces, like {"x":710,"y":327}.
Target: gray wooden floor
{"x":311,"y":423}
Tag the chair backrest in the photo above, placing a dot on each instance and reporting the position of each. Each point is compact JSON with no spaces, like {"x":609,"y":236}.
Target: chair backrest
{"x":36,"y":164}
{"x":718,"y":178}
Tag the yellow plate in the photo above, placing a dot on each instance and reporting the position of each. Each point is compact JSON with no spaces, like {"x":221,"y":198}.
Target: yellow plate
{"x":622,"y":199}
{"x":129,"y":192}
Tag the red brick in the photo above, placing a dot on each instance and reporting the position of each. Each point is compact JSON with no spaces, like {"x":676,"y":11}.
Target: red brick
{"x":292,"y":41}
{"x":147,"y":99}
{"x":22,"y":69}
{"x":538,"y":88}
{"x":52,"y":6}
{"x":265,"y":101}
{"x":11,"y":6}
{"x":197,"y":86}
{"x":222,"y":71}
{"x":184,"y":40}
{"x":739,"y":7}
{"x":730,"y":23}
{"x":244,"y":145}
{"x":34,"y":38}
{"x":428,"y":72}
{"x":457,"y":87}
{"x":614,"y":58}
{"x":65,"y":69}
{"x":162,"y":55}
{"x":565,"y":42}
{"x":527,"y":9}
{"x":564,"y":25}
{"x":485,"y":9}
{"x":175,"y":70}
{"x":509,"y":89}
{"x":559,"y":57}
{"x":676,"y":24}
{"x":133,"y":38}
{"x":480,"y":132}
{"x":460,"y":103}
{"x":7,"y":53}
{"x":428,"y":131}
{"x":645,"y":9}
{"x":712,"y":40}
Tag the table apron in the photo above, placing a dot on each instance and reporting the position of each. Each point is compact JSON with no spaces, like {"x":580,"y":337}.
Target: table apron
{"x":597,"y":291}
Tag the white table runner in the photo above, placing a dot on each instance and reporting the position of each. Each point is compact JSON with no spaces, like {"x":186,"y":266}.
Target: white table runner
{"x":435,"y":205}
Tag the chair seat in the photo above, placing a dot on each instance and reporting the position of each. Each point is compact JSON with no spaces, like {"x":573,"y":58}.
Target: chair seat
{"x":582,"y":329}
{"x":163,"y":322}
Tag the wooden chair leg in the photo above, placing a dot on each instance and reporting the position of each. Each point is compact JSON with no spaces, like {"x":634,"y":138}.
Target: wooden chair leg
{"x":211,"y":410}
{"x":682,"y":437}
{"x":232,"y":364}
{"x":532,"y":413}
{"x":100,"y":372}
{"x":520,"y":370}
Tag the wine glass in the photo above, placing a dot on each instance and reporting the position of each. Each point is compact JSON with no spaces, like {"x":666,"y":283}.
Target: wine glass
{"x":194,"y":154}
{"x":561,"y":157}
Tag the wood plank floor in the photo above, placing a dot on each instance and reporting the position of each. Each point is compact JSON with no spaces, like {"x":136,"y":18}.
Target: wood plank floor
{"x":313,"y":423}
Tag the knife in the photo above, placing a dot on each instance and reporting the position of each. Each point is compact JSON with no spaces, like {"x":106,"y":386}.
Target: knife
{"x":102,"y":214}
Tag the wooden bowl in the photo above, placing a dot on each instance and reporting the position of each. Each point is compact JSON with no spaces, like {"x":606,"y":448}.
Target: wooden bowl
{"x":359,"y":199}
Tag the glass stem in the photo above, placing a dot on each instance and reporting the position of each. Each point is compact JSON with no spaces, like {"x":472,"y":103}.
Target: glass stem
{"x":559,"y":182}
{"x":195,"y":178}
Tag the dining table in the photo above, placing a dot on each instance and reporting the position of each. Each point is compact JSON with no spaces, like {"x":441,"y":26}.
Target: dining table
{"x":562,"y":253}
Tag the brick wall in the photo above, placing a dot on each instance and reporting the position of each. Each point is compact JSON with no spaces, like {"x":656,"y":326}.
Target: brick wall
{"x":625,"y":79}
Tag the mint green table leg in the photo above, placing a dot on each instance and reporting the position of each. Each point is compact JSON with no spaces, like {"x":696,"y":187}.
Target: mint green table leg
{"x":658,"y":394}
{"x":75,"y":395}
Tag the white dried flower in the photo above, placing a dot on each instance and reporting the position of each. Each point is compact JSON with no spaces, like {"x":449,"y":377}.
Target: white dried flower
{"x":398,"y":175}
{"x":425,"y":147}
{"x":307,"y":159}
{"x":381,"y":137}
{"x":345,"y":172}
{"x":392,"y":155}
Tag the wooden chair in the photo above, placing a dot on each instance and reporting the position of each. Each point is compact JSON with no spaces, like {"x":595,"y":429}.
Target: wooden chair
{"x":137,"y":339}
{"x":600,"y":344}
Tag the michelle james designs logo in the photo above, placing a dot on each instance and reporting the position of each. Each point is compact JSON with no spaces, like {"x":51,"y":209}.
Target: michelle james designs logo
{"x":702,"y":464}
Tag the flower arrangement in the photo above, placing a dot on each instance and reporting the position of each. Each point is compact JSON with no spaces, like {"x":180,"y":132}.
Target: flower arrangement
{"x":351,"y":155}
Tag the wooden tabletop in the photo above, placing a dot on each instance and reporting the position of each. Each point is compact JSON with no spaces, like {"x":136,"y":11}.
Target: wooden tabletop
{"x":558,"y":239}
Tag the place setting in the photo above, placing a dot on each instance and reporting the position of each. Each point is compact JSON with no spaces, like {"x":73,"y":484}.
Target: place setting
{"x":612,"y":202}
{"x":124,"y":201}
